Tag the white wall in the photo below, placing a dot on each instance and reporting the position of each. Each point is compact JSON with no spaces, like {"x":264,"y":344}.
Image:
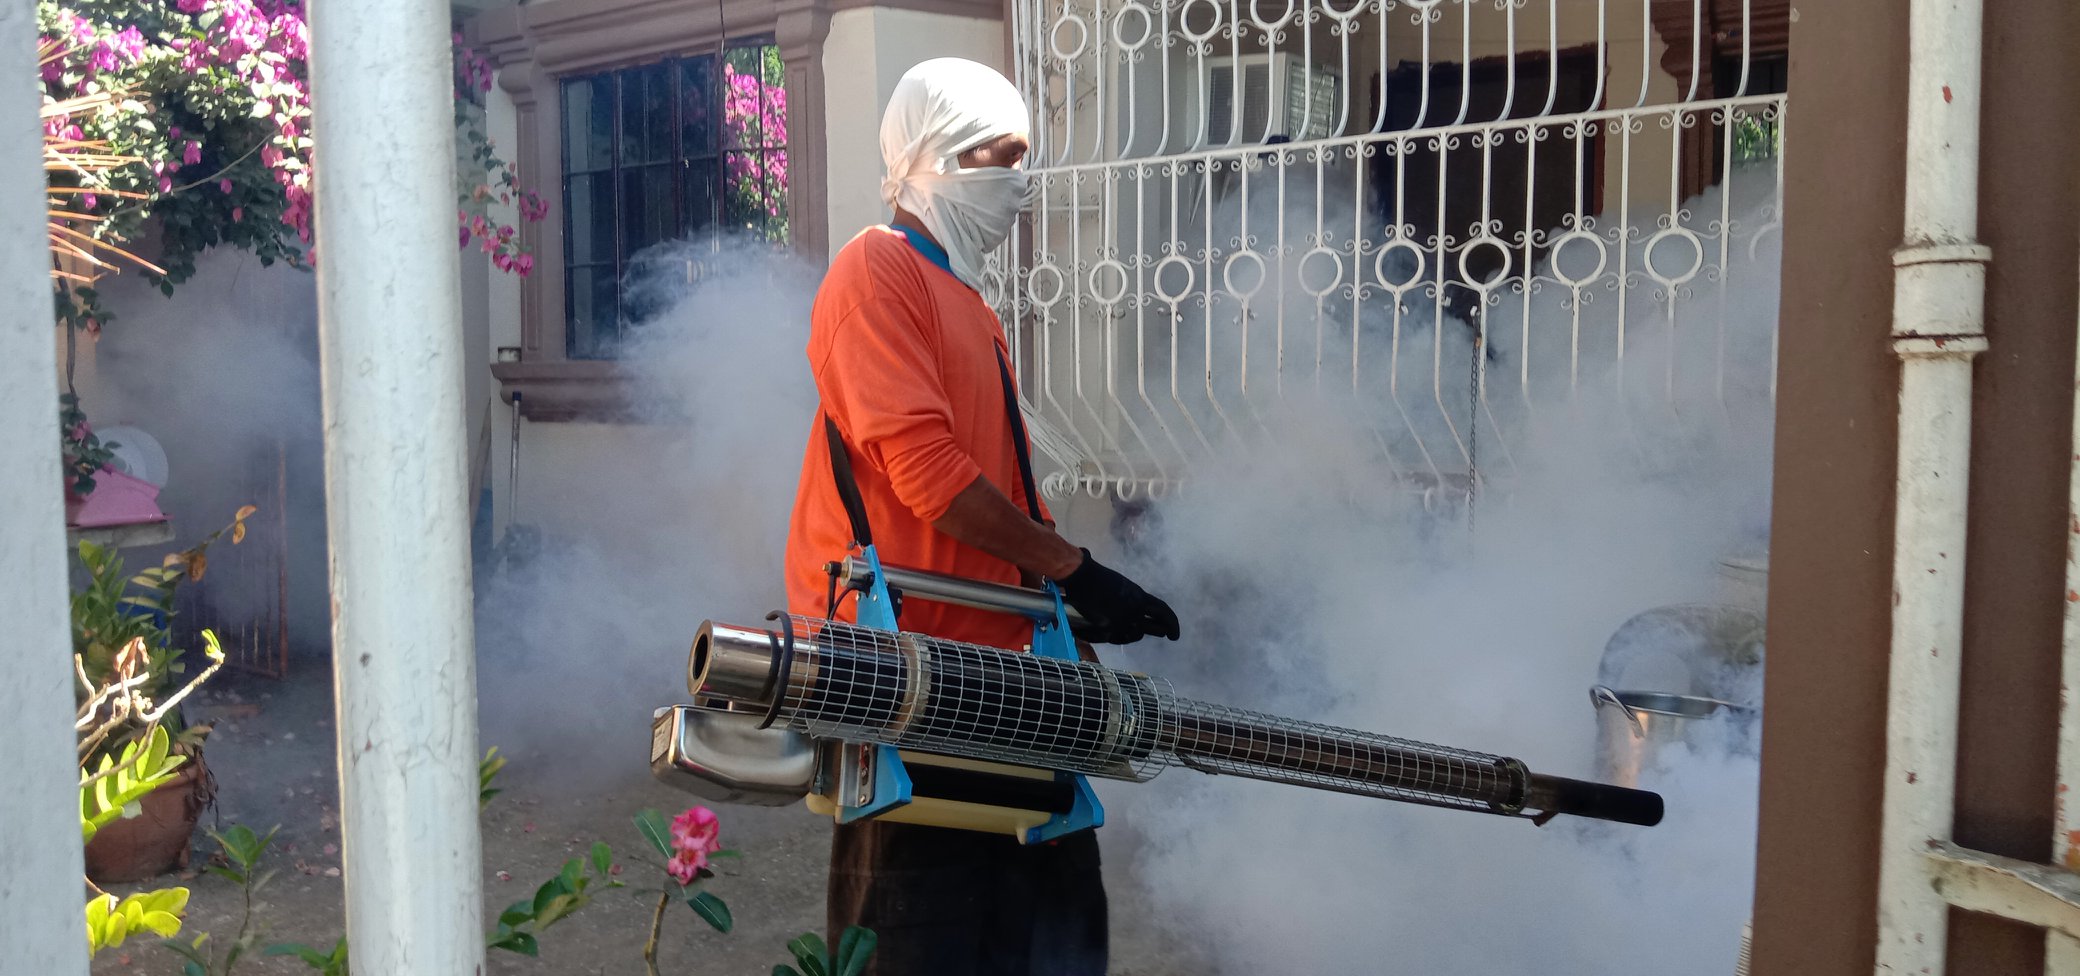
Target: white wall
{"x":877,"y":44}
{"x":500,"y":324}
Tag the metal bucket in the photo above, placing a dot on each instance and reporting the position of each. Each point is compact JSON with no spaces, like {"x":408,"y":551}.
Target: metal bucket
{"x":1632,"y":727}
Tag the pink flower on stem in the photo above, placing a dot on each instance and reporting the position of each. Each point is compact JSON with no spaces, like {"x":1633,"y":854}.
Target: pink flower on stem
{"x":224,"y":185}
{"x":524,"y":264}
{"x":695,"y":835}
{"x":238,"y":214}
{"x":192,"y":154}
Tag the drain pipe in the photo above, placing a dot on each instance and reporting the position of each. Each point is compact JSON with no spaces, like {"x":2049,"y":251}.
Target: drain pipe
{"x":1938,"y":327}
{"x":41,"y":928}
{"x":396,"y":472}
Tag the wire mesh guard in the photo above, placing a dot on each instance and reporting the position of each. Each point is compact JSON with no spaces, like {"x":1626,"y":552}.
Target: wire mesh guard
{"x":907,"y":690}
{"x":839,"y":681}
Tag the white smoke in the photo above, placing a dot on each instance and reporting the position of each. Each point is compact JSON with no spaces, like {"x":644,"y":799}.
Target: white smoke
{"x":678,"y":517}
{"x":224,"y":375}
{"x":1310,"y":585}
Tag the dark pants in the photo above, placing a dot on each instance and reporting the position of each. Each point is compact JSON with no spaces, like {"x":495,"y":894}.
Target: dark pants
{"x":955,"y":902}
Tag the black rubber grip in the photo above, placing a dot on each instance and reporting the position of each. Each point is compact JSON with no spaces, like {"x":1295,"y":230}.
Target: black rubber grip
{"x":1573,"y":797}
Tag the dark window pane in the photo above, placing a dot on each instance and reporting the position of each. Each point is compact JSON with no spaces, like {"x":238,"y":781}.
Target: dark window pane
{"x":697,"y":210}
{"x":588,"y":123}
{"x":647,"y":210}
{"x":646,"y":114}
{"x":594,"y":319}
{"x":743,"y":191}
{"x":697,"y":105}
{"x":589,"y":210}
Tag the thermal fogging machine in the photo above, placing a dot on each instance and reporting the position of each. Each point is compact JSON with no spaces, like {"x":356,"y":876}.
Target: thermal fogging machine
{"x":867,"y":721}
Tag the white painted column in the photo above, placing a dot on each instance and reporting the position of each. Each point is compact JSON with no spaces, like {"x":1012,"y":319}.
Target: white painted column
{"x":41,"y":927}
{"x":1938,"y":326}
{"x":395,"y":475}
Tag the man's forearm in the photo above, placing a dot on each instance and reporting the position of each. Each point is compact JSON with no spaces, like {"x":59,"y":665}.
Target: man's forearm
{"x":984,"y":517}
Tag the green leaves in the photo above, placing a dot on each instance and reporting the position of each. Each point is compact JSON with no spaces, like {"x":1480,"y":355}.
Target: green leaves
{"x":332,"y":963}
{"x":124,"y":780}
{"x":657,"y":830}
{"x":711,"y":910}
{"x":522,"y":922}
{"x":855,"y":946}
{"x":487,"y":770}
{"x":110,"y":921}
{"x":242,"y":848}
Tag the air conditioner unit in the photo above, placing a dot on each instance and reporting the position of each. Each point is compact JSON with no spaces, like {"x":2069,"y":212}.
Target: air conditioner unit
{"x":1280,"y":98}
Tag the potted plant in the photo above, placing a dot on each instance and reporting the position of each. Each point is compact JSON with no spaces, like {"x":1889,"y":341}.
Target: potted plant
{"x":122,"y":637}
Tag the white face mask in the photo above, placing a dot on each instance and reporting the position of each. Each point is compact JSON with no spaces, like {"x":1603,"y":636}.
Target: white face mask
{"x":940,"y":108}
{"x":970,"y":211}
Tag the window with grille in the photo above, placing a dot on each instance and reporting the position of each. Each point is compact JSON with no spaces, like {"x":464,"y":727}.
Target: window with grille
{"x":689,"y":148}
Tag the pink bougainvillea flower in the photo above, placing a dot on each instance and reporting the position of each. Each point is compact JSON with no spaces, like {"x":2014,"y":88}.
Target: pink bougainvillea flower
{"x":129,"y":43}
{"x":193,"y":6}
{"x":192,"y":154}
{"x":224,"y":185}
{"x":238,"y":214}
{"x":524,"y":264}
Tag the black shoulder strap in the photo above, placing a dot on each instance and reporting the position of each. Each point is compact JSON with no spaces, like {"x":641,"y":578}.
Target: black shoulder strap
{"x":1018,"y":437}
{"x":848,"y":486}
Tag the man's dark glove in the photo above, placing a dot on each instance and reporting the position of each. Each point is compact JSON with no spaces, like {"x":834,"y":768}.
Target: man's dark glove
{"x":1116,"y":610}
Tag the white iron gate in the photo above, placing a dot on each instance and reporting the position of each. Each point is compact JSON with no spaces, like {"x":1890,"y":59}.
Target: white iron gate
{"x":1449,"y":216}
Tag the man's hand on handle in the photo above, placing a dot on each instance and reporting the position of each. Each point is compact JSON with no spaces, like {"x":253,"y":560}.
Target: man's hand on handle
{"x":1119,"y":611}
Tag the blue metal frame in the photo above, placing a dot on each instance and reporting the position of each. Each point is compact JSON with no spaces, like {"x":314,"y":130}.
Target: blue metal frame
{"x":1051,"y":638}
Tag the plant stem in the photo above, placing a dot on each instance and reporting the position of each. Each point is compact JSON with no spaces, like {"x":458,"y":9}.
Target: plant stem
{"x":246,"y":886}
{"x":664,"y":901}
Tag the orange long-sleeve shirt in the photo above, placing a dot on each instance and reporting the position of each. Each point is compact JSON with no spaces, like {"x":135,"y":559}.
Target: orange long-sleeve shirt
{"x":905,"y":359}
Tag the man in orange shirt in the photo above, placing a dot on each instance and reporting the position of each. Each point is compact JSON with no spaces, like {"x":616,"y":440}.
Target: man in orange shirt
{"x":916,"y":389}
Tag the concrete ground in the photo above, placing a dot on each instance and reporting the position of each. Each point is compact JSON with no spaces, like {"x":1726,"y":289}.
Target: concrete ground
{"x":272,"y":756}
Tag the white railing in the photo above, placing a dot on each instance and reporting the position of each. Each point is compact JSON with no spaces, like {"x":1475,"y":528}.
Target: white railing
{"x":1453,"y":214}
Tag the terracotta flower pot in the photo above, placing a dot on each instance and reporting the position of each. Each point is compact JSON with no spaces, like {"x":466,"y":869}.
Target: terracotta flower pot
{"x":155,"y":841}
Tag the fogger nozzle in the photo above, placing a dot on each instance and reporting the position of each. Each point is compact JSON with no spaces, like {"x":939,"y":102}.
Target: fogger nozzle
{"x":835,"y":680}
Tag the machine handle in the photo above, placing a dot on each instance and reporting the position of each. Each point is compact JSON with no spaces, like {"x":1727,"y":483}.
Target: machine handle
{"x":1555,"y":794}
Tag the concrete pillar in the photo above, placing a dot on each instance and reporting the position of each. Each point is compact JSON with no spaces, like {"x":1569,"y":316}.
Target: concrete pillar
{"x":41,"y":927}
{"x":395,"y":472}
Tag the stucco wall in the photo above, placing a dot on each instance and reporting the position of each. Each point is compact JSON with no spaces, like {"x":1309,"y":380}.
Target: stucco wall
{"x":866,"y":53}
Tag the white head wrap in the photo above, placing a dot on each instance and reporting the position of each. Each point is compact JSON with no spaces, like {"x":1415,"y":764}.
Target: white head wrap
{"x":940,"y":109}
